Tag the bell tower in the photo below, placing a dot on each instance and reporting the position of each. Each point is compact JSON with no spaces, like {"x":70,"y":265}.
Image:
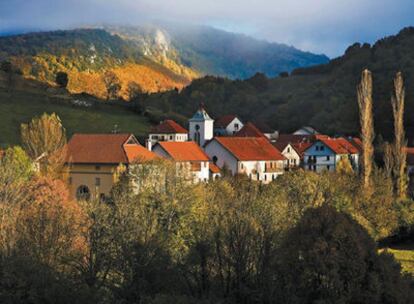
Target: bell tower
{"x":201,"y":126}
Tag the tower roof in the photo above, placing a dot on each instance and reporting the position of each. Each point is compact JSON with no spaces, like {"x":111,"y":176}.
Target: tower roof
{"x":201,"y":115}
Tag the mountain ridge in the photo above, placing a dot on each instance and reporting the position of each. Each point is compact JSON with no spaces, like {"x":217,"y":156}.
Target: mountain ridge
{"x":153,"y":58}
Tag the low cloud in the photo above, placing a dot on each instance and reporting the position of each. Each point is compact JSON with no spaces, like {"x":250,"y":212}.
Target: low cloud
{"x":322,"y":26}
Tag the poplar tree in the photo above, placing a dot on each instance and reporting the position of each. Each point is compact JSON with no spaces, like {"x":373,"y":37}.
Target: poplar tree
{"x":400,"y":143}
{"x":367,"y":128}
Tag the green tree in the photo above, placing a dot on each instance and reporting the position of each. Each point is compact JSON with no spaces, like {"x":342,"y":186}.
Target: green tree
{"x":62,"y":79}
{"x":328,"y":258}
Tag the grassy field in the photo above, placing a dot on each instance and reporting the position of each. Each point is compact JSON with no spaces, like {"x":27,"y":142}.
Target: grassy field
{"x":20,"y":106}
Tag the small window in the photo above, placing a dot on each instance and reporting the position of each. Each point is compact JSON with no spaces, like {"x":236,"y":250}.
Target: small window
{"x":328,"y":158}
{"x":215,"y":159}
{"x":171,"y":137}
{"x":328,"y":167}
{"x":317,"y":148}
{"x":236,"y":126}
{"x":288,"y":150}
{"x":241,"y":166}
{"x":322,"y":148}
{"x":97,"y":168}
{"x":97,"y":181}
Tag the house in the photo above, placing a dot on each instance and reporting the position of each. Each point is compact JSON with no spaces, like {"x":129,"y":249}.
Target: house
{"x":227,"y":125}
{"x":201,"y":127}
{"x":326,"y":152}
{"x":306,"y":131}
{"x":188,"y":156}
{"x":93,"y":159}
{"x":254,"y":156}
{"x":167,"y":130}
{"x":250,"y":130}
{"x":293,"y":152}
{"x":270,"y":133}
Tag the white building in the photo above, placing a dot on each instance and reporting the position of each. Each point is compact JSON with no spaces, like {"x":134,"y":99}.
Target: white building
{"x":227,"y":125}
{"x":306,"y":131}
{"x":167,"y":130}
{"x":254,"y":156}
{"x":188,"y":156}
{"x":201,"y":127}
{"x":325,"y":153}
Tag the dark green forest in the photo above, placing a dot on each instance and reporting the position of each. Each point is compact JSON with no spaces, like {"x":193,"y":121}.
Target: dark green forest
{"x":322,"y":96}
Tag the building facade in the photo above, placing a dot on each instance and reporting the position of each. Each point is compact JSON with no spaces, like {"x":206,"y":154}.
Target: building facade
{"x":167,"y":130}
{"x":251,"y":156}
{"x":93,"y":160}
{"x":188,"y":156}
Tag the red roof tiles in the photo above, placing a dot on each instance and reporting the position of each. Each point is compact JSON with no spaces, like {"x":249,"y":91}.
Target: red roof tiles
{"x":339,"y":145}
{"x":106,"y":149}
{"x":168,"y":127}
{"x":249,"y":130}
{"x":214,"y":168}
{"x":250,"y":148}
{"x":184,"y":151}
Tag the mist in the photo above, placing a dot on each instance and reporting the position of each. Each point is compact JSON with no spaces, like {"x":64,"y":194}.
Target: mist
{"x":320,"y":26}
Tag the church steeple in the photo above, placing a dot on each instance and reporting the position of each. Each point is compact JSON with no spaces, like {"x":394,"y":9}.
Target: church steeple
{"x":201,"y":126}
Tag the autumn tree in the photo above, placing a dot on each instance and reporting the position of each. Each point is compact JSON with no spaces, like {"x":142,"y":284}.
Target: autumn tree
{"x":365,"y":104}
{"x":49,"y":223}
{"x":62,"y":79}
{"x":400,"y":143}
{"x":44,"y":139}
{"x":16,"y":169}
{"x":112,"y":84}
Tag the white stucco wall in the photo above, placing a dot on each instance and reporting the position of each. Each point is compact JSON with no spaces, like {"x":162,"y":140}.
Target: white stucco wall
{"x":231,"y":128}
{"x":224,"y":157}
{"x":206,"y":129}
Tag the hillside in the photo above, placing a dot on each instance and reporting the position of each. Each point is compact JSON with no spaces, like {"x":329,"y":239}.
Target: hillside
{"x":150,"y":58}
{"x":78,"y":113}
{"x":323,"y":96}
{"x":210,"y":51}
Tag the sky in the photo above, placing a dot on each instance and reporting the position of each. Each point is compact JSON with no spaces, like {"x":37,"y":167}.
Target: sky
{"x":319,"y":26}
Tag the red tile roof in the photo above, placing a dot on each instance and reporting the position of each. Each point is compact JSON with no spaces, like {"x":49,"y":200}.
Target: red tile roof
{"x":105,"y":149}
{"x":298,"y":147}
{"x":249,"y":130}
{"x":168,"y":127}
{"x":214,"y":168}
{"x":339,"y":145}
{"x":224,"y":121}
{"x":250,"y":148}
{"x":184,"y":151}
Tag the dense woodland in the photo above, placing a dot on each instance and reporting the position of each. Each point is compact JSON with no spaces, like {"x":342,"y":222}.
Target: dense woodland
{"x":322,"y":96}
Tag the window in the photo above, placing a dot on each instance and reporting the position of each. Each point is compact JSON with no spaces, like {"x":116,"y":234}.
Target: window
{"x":322,"y":148}
{"x":215,"y":159}
{"x":288,"y":150}
{"x":97,"y":168}
{"x":197,"y":127}
{"x":328,"y":167}
{"x":236,"y":126}
{"x":265,"y":177}
{"x":314,"y":168}
{"x":83,"y":193}
{"x":241,"y":166}
{"x":97,"y":181}
{"x":317,"y":148}
{"x":328,"y":158}
{"x":171,"y":137}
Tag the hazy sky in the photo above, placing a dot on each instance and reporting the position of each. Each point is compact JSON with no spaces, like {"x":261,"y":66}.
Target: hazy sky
{"x":321,"y":26}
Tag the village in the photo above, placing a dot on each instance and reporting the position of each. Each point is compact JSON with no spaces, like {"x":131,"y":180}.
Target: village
{"x":207,"y":149}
